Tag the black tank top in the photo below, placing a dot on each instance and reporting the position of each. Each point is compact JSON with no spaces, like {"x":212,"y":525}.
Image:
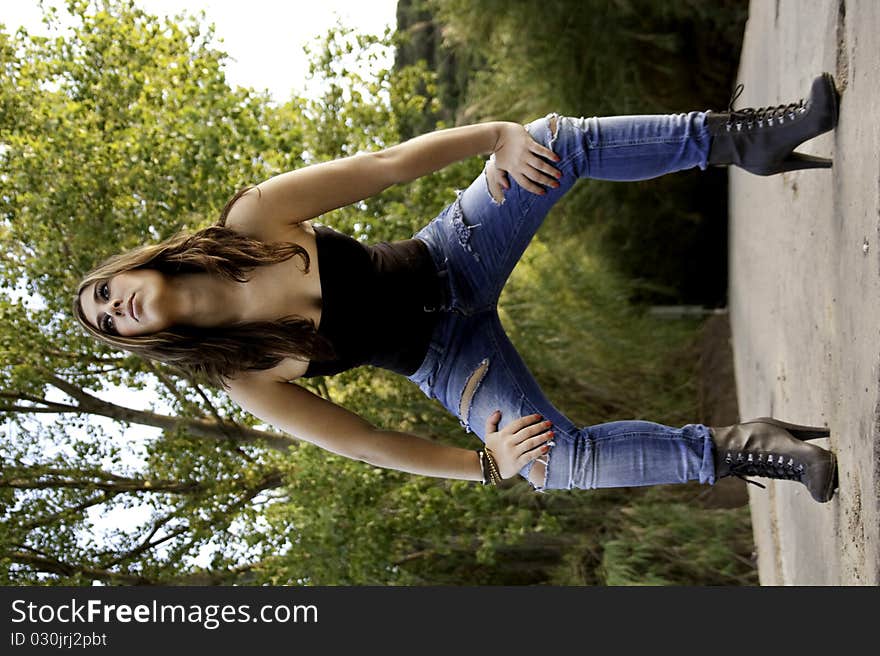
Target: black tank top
{"x":375,"y":303}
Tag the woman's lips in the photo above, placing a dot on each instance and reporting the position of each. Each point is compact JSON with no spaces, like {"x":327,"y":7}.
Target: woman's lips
{"x":131,"y":309}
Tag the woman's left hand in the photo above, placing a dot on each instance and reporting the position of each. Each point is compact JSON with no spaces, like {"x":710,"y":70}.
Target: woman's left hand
{"x":517,"y":444}
{"x":517,"y":154}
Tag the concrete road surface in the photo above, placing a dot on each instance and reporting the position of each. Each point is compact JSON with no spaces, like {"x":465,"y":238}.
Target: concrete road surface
{"x":804,"y":293}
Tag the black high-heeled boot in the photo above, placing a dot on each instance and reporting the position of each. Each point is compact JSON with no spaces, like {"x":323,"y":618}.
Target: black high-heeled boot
{"x":763,"y":140}
{"x":774,"y":449}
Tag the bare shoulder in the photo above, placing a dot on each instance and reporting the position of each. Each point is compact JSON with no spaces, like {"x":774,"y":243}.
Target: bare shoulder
{"x":286,"y":371}
{"x":248,"y":218}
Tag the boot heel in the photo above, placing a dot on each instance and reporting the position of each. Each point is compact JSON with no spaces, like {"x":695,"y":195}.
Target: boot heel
{"x":796,"y":161}
{"x":803,"y":433}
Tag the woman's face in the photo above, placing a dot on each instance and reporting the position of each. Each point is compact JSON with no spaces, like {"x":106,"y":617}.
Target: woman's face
{"x":128,"y":304}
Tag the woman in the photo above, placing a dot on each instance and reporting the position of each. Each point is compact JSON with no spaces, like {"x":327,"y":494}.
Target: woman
{"x":315,"y":302}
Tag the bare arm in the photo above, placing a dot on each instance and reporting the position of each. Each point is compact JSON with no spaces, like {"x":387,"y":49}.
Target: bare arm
{"x":301,"y":413}
{"x":305,"y":193}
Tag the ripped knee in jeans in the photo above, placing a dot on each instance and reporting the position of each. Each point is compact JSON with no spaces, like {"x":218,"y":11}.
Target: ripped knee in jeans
{"x":538,"y":473}
{"x":467,"y":394}
{"x":554,"y":124}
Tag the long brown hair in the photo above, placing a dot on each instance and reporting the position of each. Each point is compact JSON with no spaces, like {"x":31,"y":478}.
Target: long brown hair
{"x":211,"y":354}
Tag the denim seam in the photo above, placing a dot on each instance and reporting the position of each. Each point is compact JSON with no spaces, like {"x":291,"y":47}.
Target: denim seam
{"x":631,"y":434}
{"x":641,"y":142}
{"x":498,"y":285}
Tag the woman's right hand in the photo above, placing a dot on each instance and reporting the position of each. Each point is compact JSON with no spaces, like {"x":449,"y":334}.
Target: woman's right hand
{"x":518,"y":155}
{"x":517,"y":444}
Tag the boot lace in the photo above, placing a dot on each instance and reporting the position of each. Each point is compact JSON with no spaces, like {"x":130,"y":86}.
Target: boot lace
{"x":749,"y":117}
{"x":768,"y":466}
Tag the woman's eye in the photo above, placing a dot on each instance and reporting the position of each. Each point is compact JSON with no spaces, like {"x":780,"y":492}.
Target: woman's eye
{"x":104,"y":291}
{"x":108,"y":324}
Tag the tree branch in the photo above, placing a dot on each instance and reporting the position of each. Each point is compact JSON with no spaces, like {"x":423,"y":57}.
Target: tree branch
{"x":146,"y":545}
{"x":270,"y":480}
{"x":185,"y":403}
{"x":23,"y":396}
{"x":210,"y":405}
{"x":43,"y":562}
{"x":53,"y":566}
{"x":56,"y":409}
{"x":215,"y":429}
{"x":85,"y":399}
{"x":169,"y":384}
{"x":132,"y":485}
{"x":44,"y":521}
{"x":204,"y":577}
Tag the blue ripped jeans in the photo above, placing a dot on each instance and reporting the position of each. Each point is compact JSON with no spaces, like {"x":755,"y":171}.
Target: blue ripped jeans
{"x":476,"y":242}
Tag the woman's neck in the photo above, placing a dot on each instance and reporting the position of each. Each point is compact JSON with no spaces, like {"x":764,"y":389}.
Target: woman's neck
{"x":206,"y":300}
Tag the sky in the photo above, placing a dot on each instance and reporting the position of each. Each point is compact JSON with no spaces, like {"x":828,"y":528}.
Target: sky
{"x":264,"y":39}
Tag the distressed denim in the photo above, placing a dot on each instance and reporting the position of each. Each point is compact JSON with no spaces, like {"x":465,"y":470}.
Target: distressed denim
{"x":475,"y":243}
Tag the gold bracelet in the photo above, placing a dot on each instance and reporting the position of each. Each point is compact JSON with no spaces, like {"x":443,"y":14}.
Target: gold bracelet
{"x":482,"y":457}
{"x":494,"y":474}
